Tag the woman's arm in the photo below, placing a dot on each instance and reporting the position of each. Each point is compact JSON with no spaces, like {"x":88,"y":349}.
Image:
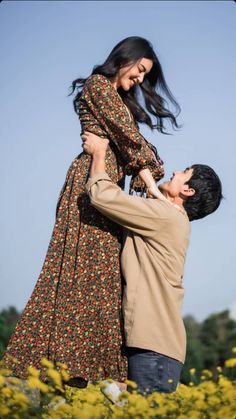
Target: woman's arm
{"x":147,"y":178}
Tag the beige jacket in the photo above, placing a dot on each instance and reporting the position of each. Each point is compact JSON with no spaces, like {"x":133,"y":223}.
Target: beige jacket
{"x":152,"y":260}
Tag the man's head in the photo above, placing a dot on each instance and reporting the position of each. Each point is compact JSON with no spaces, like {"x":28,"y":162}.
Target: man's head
{"x":197,"y":188}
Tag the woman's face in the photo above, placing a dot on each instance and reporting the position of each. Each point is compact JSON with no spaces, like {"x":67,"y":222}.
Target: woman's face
{"x":132,"y":74}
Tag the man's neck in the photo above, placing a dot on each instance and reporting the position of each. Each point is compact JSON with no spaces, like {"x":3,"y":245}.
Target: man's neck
{"x":177,"y":201}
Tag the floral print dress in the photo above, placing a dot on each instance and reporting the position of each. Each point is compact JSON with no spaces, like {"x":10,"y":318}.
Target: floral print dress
{"x":74,"y":313}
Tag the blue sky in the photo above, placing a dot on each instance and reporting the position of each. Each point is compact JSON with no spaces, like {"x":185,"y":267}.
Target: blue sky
{"x":44,"y":46}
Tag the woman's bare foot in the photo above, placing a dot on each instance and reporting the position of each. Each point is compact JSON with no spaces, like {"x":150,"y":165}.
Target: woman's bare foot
{"x":122,"y":386}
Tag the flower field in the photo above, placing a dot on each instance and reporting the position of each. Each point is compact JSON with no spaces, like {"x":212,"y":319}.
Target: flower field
{"x":211,"y":398}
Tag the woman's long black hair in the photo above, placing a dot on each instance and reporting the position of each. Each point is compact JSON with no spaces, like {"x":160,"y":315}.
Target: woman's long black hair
{"x":126,"y":52}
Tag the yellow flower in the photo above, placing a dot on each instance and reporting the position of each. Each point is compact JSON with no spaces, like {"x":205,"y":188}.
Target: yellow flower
{"x":91,"y":398}
{"x":4,"y":411}
{"x":46,"y":363}
{"x":207,"y":373}
{"x":131,"y":384}
{"x":21,"y":398}
{"x":33,"y":371}
{"x":6,"y":391}
{"x":213,"y":401}
{"x":192,"y":371}
{"x":199,"y":404}
{"x":13,"y":380}
{"x":34,"y":382}
{"x":63,"y":408}
{"x":225,"y":383}
{"x":89,"y":412}
{"x":234,"y":349}
{"x":55,"y":377}
{"x":5,"y":371}
{"x":61,"y":365}
{"x":65,"y":376}
{"x":194,"y":415}
{"x":230,"y":363}
{"x":208,"y":387}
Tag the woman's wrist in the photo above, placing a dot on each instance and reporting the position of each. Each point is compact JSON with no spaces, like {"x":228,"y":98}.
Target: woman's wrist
{"x":147,"y":178}
{"x":99,"y":155}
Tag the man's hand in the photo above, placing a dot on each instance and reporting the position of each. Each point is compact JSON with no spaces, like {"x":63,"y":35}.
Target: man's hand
{"x":94,"y":145}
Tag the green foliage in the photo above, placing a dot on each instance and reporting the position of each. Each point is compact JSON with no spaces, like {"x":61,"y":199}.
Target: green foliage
{"x":218,"y":335}
{"x":194,"y":354}
{"x":209,"y":344}
{"x":8,"y":320}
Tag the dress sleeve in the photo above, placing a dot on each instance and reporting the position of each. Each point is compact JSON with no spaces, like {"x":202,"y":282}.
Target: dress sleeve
{"x":107,"y":107}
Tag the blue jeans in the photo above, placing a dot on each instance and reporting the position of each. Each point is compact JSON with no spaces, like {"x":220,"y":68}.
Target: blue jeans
{"x":152,"y":371}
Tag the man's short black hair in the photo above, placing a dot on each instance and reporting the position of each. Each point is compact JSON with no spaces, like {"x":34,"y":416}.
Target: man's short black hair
{"x":208,"y":192}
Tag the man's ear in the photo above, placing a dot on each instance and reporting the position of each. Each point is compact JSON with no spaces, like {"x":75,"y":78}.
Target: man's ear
{"x":187,"y":192}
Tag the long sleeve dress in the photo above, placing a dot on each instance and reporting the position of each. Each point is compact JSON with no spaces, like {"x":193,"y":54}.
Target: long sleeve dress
{"x":74,"y":313}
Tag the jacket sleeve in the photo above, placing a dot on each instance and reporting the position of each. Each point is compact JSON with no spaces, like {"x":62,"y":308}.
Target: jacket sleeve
{"x":109,"y":110}
{"x":136,"y":214}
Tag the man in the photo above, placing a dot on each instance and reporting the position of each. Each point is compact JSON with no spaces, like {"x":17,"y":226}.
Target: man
{"x":155,"y":244}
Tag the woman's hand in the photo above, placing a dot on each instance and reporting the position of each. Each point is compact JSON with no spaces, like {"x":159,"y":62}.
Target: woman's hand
{"x":94,"y":145}
{"x":153,"y":192}
{"x":151,"y":186}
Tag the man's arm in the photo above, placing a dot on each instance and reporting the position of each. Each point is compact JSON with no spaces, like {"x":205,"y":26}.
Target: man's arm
{"x":97,"y":149}
{"x":132,"y":212}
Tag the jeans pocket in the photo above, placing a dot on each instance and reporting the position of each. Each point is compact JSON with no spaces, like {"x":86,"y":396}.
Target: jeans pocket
{"x":168,"y":374}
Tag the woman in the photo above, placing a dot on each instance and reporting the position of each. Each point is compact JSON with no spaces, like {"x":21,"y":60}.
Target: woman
{"x":74,"y":313}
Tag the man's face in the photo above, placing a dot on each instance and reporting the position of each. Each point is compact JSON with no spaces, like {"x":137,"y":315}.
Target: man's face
{"x":178,"y":184}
